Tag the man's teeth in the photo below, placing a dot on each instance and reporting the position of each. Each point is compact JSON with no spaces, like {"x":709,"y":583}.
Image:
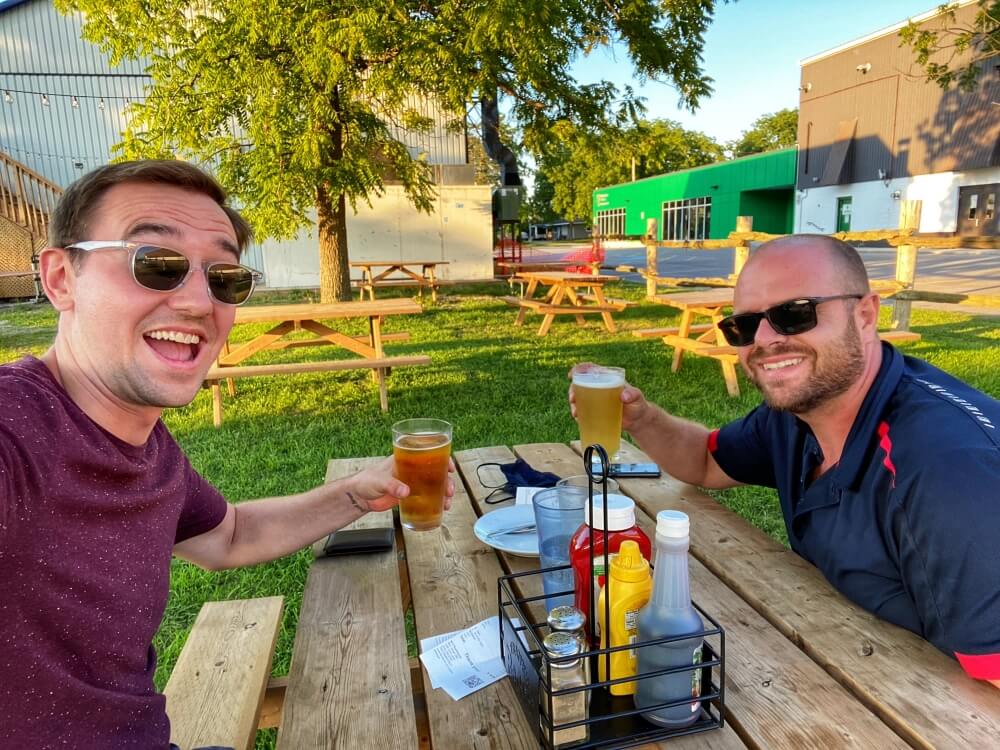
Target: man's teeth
{"x":782,"y":363}
{"x":181,"y":338}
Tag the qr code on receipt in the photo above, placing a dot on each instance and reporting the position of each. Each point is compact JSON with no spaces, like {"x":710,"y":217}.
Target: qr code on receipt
{"x":472,"y":681}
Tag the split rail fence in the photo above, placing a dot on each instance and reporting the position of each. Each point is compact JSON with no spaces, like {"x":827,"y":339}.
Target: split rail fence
{"x":901,"y":289}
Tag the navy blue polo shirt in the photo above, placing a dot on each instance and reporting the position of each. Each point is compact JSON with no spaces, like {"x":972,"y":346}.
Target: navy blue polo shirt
{"x":907,"y":523}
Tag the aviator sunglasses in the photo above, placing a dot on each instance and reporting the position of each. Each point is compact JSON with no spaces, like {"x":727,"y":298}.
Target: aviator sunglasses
{"x":787,"y":319}
{"x":163,"y":269}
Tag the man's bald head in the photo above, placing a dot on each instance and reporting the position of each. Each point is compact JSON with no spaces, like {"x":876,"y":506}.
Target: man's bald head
{"x":844,"y":260}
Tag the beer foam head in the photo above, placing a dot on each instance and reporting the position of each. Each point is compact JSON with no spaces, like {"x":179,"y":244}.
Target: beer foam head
{"x":600,"y":377}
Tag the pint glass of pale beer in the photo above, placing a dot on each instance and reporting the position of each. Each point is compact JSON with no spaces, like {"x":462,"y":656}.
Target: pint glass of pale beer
{"x":598,"y":395}
{"x":421,"y":448}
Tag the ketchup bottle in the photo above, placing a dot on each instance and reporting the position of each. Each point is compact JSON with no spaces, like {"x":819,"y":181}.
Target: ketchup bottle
{"x":621,"y":527}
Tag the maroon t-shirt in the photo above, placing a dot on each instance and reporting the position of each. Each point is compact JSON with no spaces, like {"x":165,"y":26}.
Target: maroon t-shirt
{"x":87,"y":525}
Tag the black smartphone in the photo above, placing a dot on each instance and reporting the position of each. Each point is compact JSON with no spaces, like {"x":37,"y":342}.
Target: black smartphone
{"x":634,"y":470}
{"x":358,"y":541}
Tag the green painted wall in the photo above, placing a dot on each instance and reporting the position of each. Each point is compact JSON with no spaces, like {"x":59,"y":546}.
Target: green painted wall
{"x":762,"y":186}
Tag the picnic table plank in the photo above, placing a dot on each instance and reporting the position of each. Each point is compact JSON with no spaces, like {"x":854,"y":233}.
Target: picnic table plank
{"x":467,"y":462}
{"x":350,"y":651}
{"x":921,"y":693}
{"x":215,"y":691}
{"x":453,"y":581}
{"x":776,"y":694}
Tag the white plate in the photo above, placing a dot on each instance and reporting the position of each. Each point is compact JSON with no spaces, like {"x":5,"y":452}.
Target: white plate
{"x":511,"y":517}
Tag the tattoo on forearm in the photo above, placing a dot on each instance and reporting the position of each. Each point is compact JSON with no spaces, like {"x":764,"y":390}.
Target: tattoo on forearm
{"x":355,"y":503}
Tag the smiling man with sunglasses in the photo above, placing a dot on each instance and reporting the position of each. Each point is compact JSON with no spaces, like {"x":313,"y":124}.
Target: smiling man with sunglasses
{"x":887,"y":469}
{"x":95,"y":495}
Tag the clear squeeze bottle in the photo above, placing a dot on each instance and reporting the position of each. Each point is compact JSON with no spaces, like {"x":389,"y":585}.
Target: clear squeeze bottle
{"x":670,"y":613}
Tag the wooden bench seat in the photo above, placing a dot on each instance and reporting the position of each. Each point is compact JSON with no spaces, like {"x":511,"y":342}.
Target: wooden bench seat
{"x":404,"y":282}
{"x":294,"y":368}
{"x":379,"y":367}
{"x":657,"y":333}
{"x":217,"y":689}
{"x":540,"y":305}
{"x":620,"y":304}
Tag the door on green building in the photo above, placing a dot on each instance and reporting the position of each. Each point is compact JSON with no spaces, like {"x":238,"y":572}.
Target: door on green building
{"x":844,"y":214}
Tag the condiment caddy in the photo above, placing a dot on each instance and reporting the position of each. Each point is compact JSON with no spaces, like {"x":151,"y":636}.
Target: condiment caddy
{"x":562,"y":684}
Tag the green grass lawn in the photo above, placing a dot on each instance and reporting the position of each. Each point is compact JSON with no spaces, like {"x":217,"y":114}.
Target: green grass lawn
{"x":496,"y":383}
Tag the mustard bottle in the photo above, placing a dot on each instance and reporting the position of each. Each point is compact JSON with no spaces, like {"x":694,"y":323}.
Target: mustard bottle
{"x":629,"y":585}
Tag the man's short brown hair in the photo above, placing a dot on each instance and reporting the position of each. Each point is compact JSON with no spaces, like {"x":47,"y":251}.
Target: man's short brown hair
{"x":68,"y":223}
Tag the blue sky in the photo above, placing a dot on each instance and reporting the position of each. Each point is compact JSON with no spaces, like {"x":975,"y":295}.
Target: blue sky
{"x":752,"y":50}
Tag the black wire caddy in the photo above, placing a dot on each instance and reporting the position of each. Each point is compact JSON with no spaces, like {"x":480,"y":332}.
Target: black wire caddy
{"x":612,"y":721}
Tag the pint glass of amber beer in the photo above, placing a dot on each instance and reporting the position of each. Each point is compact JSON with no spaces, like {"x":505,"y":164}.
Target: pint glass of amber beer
{"x":598,"y":395}
{"x":421,"y":448}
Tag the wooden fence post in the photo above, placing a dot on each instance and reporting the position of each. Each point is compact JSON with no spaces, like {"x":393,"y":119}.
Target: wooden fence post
{"x":742,"y":255}
{"x":651,"y":273}
{"x":906,"y":264}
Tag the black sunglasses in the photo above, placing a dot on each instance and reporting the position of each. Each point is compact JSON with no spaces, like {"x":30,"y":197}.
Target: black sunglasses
{"x":163,"y":269}
{"x":788,"y":319}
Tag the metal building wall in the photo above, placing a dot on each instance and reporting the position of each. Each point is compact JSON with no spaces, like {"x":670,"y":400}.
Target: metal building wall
{"x":905,"y":126}
{"x":41,"y":51}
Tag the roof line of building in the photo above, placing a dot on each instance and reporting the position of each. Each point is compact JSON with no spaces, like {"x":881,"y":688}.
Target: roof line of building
{"x":702,"y":166}
{"x":8,"y":4}
{"x":936,"y":10}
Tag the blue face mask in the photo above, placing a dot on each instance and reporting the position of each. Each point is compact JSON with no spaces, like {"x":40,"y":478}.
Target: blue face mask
{"x":518,"y":474}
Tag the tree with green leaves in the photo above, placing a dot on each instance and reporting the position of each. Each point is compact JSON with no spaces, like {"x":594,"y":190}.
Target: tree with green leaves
{"x":956,"y":52}
{"x":293,"y":102}
{"x":767,"y":133}
{"x":584,"y":159}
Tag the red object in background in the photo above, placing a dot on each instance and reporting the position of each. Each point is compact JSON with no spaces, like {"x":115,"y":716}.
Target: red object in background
{"x":593,"y":253}
{"x":587,"y":537}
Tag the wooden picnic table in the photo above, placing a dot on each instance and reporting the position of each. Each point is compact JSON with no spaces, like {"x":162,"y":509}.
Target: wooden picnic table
{"x":563,"y":298}
{"x":805,"y":668}
{"x":709,"y":341}
{"x":307,"y":317}
{"x":399,"y":273}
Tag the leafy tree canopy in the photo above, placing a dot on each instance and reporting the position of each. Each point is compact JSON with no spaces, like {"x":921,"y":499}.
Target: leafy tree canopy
{"x":294,"y":102}
{"x":954,"y":52}
{"x":582,"y":159}
{"x":767,"y":133}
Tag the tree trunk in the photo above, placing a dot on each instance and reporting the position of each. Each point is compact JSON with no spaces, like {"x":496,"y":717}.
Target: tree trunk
{"x":334,"y":271}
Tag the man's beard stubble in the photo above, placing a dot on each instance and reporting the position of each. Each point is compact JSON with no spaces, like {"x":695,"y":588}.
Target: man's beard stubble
{"x":836,"y":369}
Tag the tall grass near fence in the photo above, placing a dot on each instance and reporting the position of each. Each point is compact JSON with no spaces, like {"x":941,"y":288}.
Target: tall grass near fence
{"x":496,"y":383}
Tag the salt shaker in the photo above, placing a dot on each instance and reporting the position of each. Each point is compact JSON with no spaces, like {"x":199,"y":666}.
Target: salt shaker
{"x":564,"y":675}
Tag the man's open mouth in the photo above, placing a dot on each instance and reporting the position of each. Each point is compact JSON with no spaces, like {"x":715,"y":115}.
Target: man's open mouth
{"x":177,"y":346}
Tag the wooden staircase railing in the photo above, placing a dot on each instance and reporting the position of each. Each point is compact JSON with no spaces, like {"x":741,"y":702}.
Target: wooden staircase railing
{"x":26,"y":198}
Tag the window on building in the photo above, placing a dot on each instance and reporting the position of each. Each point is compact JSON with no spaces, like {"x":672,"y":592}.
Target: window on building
{"x":973,"y":205}
{"x":689,"y":219}
{"x":991,"y":206}
{"x":611,"y":222}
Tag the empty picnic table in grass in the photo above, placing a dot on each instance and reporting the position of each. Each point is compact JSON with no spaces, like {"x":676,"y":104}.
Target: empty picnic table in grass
{"x":705,"y":339}
{"x":567,"y":294}
{"x":399,"y":273}
{"x":805,"y":668}
{"x":307,"y":317}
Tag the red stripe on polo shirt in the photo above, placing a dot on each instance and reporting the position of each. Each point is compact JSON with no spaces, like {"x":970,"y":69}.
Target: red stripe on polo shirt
{"x":713,"y":441}
{"x":981,"y":667}
{"x":885,"y":443}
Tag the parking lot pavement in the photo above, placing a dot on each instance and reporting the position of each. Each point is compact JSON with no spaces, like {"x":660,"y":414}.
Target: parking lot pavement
{"x":958,"y":271}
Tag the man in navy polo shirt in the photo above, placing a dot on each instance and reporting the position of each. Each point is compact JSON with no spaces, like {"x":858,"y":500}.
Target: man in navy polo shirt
{"x":887,"y":468}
